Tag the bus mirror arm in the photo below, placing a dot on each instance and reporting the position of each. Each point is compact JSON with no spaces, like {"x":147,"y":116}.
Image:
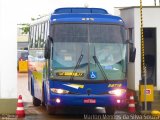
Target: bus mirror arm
{"x":132,"y":54}
{"x":129,"y":42}
{"x":48,"y":47}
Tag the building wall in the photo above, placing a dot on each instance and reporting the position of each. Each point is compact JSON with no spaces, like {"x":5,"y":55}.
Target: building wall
{"x":8,"y":48}
{"x":151,"y":18}
{"x":128,"y":17}
{"x":137,"y":42}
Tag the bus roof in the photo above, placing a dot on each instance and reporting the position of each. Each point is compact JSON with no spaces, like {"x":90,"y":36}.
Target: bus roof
{"x":83,"y":15}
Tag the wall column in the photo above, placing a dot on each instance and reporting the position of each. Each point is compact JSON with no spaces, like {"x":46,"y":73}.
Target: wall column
{"x":8,"y":56}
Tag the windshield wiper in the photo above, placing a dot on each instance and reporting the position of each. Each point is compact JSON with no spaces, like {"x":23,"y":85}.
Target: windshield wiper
{"x":77,"y":65}
{"x":99,"y":65}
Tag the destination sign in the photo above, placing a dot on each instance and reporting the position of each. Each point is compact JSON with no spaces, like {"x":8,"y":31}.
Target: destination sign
{"x":76,"y":74}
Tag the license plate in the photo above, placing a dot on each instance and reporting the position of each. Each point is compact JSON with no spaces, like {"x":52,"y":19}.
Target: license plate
{"x":90,"y":101}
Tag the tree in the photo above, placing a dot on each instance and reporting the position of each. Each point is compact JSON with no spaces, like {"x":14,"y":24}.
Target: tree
{"x":25,"y":28}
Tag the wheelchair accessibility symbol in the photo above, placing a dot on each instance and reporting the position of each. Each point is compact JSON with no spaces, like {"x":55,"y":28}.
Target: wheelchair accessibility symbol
{"x":93,"y":75}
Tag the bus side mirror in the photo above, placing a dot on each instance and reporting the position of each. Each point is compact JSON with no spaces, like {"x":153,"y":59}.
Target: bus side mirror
{"x":47,"y":49}
{"x":132,"y":54}
{"x":132,"y":51}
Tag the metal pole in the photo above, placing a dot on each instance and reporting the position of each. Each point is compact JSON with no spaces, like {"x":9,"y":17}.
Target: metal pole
{"x":143,"y":72}
{"x":154,"y":2}
{"x":145,"y":87}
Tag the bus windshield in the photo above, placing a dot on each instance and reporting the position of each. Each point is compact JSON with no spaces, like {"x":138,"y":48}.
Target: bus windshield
{"x":75,"y":45}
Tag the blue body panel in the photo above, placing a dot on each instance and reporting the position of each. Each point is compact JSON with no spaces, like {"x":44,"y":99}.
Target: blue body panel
{"x":77,"y":100}
{"x":95,"y":18}
{"x":83,"y":15}
{"x":96,"y":88}
{"x":78,"y":94}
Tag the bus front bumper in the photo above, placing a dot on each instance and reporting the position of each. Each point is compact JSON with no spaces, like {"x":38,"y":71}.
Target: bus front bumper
{"x":86,"y":100}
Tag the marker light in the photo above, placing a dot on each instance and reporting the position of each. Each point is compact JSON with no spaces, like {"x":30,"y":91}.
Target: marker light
{"x":58,"y":100}
{"x":59,"y":91}
{"x":117,"y":92}
{"x":118,"y":101}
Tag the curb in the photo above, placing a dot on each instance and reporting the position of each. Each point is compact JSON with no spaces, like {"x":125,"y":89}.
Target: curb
{"x":146,"y":112}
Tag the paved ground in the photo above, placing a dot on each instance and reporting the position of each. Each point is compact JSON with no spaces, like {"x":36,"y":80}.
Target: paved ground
{"x":39,"y":113}
{"x":23,"y":87}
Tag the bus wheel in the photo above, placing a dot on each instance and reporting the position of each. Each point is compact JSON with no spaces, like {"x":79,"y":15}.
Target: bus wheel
{"x":51,"y":110}
{"x":43,"y":104}
{"x":36,"y":102}
{"x":110,"y":110}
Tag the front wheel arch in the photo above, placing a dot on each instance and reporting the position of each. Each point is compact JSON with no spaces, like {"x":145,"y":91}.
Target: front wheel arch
{"x":36,"y":101}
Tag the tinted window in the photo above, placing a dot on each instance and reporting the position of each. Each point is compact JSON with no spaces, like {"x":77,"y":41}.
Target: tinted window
{"x":101,"y":33}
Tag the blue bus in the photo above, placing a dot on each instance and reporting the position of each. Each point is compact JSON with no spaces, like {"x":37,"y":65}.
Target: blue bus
{"x":78,"y":57}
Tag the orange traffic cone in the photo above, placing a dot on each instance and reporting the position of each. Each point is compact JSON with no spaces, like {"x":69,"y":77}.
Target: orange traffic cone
{"x":20,"y":108}
{"x":131,"y":106}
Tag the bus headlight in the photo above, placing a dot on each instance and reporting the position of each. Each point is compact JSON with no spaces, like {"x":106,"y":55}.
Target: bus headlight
{"x":59,"y":91}
{"x":117,"y":92}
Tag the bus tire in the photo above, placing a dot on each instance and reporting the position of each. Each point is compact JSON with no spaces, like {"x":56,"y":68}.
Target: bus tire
{"x":36,"y":102}
{"x":110,"y":110}
{"x":51,"y":110}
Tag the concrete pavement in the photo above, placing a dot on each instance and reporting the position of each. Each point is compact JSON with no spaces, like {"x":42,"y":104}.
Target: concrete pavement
{"x":22,"y":85}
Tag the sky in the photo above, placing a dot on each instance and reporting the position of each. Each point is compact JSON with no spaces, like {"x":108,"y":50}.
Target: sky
{"x":27,"y":9}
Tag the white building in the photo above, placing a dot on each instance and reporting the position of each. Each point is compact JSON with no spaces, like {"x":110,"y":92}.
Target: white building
{"x":8,"y":59}
{"x":151,"y":25}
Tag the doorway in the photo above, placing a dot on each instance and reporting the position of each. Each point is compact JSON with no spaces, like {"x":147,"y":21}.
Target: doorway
{"x":150,"y":54}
